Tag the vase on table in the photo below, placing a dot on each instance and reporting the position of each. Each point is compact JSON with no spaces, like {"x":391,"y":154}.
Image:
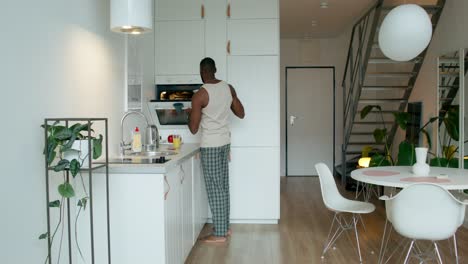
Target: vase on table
{"x":421,"y":168}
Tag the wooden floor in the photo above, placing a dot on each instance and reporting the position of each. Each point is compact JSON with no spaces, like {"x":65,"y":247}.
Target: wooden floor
{"x":300,"y":235}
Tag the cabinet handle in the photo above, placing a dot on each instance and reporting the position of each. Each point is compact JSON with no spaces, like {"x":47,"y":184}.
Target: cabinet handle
{"x":166,"y":193}
{"x":228,"y":11}
{"x":228,"y":48}
{"x":202,"y":11}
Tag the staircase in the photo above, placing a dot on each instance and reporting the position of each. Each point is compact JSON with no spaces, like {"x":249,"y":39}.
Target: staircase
{"x":371,"y":78}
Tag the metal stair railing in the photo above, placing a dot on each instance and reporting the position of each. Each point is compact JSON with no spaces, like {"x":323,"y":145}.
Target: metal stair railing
{"x":360,"y":47}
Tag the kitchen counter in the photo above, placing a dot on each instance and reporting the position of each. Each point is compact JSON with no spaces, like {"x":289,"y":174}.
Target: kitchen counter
{"x":185,"y":151}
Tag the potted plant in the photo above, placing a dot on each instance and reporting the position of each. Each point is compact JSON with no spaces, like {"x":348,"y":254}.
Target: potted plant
{"x":406,"y":148}
{"x":66,"y":151}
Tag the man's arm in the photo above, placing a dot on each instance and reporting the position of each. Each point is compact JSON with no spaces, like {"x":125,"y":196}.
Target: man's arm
{"x":236,"y":106}
{"x":199,"y":101}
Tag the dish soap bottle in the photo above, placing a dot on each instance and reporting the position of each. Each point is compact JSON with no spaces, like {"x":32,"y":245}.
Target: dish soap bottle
{"x":136,"y":142}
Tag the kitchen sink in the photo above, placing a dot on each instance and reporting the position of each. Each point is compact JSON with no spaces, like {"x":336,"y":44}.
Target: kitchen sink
{"x":154,"y":153}
{"x":139,"y":160}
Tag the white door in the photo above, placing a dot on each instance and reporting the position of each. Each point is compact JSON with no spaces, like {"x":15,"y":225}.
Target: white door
{"x":244,"y":9}
{"x":253,"y":37}
{"x":255,"y":79}
{"x":178,"y":9}
{"x":180,"y":46}
{"x":310,"y":119}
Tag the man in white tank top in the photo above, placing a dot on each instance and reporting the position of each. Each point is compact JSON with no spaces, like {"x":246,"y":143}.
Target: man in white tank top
{"x":211,"y":108}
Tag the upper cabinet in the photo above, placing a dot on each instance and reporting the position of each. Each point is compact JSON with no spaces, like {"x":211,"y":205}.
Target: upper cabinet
{"x":179,"y":9}
{"x":253,"y":37}
{"x":180,"y":45}
{"x":245,"y":9}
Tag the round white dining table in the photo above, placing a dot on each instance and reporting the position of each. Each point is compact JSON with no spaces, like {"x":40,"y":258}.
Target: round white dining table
{"x":402,"y":176}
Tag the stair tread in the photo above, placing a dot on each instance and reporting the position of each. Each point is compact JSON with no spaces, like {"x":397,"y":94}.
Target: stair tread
{"x":429,"y":8}
{"x":371,"y":122}
{"x":365,"y":143}
{"x":383,"y":112}
{"x":385,"y":86}
{"x":374,"y":60}
{"x":362,"y":133}
{"x":383,"y":99}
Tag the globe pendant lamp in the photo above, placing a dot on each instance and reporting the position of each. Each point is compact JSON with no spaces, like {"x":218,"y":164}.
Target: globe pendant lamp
{"x":131,"y":16}
{"x":405,"y":32}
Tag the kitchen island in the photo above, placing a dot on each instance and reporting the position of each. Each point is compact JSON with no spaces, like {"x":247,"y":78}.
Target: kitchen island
{"x":156,"y":210}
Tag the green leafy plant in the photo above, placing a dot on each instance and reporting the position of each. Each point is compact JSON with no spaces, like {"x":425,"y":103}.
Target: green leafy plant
{"x":449,"y":123}
{"x":60,"y":140}
{"x":406,"y":149}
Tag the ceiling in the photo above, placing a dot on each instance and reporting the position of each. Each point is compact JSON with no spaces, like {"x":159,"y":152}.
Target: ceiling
{"x":297,"y":16}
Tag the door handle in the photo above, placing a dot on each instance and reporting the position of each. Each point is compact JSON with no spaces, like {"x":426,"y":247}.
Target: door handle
{"x":292,"y":120}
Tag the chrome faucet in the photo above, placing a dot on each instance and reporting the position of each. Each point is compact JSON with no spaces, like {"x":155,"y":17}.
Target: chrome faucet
{"x":152,"y":139}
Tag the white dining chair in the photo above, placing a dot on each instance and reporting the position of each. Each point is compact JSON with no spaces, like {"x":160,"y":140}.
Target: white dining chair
{"x":342,"y":207}
{"x":425,"y":211}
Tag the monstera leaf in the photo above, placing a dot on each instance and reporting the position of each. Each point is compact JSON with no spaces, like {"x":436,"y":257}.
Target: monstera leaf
{"x":406,"y":154}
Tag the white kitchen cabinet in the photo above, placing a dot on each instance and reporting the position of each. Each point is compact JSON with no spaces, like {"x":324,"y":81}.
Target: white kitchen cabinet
{"x":253,"y":37}
{"x":256,"y":81}
{"x":173,"y":217}
{"x":179,"y":9}
{"x":254,"y":174}
{"x":137,"y":215}
{"x":215,"y":34}
{"x":215,"y":9}
{"x":180,"y":46}
{"x":245,"y":9}
{"x":200,"y":199}
{"x":154,"y":216}
{"x":187,"y":207}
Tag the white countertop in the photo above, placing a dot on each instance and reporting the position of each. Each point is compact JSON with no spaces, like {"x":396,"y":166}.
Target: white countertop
{"x":187,"y":150}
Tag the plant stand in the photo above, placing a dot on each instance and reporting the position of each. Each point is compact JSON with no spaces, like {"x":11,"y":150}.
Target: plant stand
{"x":68,"y":219}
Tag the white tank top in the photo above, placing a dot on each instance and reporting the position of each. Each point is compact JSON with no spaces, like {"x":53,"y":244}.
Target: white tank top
{"x":214,"y":123}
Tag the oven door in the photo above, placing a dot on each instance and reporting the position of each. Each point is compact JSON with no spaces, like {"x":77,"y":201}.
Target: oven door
{"x":170,"y":114}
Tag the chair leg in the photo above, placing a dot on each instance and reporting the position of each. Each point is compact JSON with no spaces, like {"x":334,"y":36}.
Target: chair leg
{"x":409,"y":252}
{"x":455,"y":247}
{"x":385,"y":238}
{"x":357,"y":190}
{"x":332,"y":238}
{"x":439,"y":259}
{"x":357,"y":237}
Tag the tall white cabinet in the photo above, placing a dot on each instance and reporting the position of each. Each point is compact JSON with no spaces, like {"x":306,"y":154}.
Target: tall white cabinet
{"x":242,"y":36}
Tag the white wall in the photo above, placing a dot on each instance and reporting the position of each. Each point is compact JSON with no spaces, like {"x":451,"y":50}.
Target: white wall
{"x":315,"y":52}
{"x":449,"y":36}
{"x":58,"y":59}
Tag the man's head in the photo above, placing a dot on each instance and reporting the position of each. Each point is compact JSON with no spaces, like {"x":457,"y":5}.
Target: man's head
{"x":207,"y":69}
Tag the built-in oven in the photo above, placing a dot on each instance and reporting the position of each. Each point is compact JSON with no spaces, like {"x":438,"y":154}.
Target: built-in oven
{"x":171,"y":107}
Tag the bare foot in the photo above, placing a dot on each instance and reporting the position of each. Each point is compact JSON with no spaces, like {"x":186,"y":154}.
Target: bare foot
{"x":229,"y":232}
{"x":213,"y":239}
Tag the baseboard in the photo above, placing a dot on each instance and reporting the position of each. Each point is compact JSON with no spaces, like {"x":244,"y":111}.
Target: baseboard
{"x":250,"y":221}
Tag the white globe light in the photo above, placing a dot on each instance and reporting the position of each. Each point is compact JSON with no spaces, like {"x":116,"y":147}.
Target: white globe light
{"x":405,"y":32}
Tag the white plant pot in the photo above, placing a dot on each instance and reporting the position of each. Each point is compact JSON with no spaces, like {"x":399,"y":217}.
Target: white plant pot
{"x":80,"y":152}
{"x":421,"y":168}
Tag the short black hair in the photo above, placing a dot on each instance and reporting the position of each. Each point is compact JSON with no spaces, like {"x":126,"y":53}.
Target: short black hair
{"x":208,"y":64}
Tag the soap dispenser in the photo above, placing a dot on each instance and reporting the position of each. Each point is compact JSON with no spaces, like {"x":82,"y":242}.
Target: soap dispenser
{"x":136,"y":142}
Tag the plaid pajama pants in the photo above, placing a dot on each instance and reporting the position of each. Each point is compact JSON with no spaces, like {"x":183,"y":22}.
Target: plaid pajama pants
{"x":215,"y":163}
